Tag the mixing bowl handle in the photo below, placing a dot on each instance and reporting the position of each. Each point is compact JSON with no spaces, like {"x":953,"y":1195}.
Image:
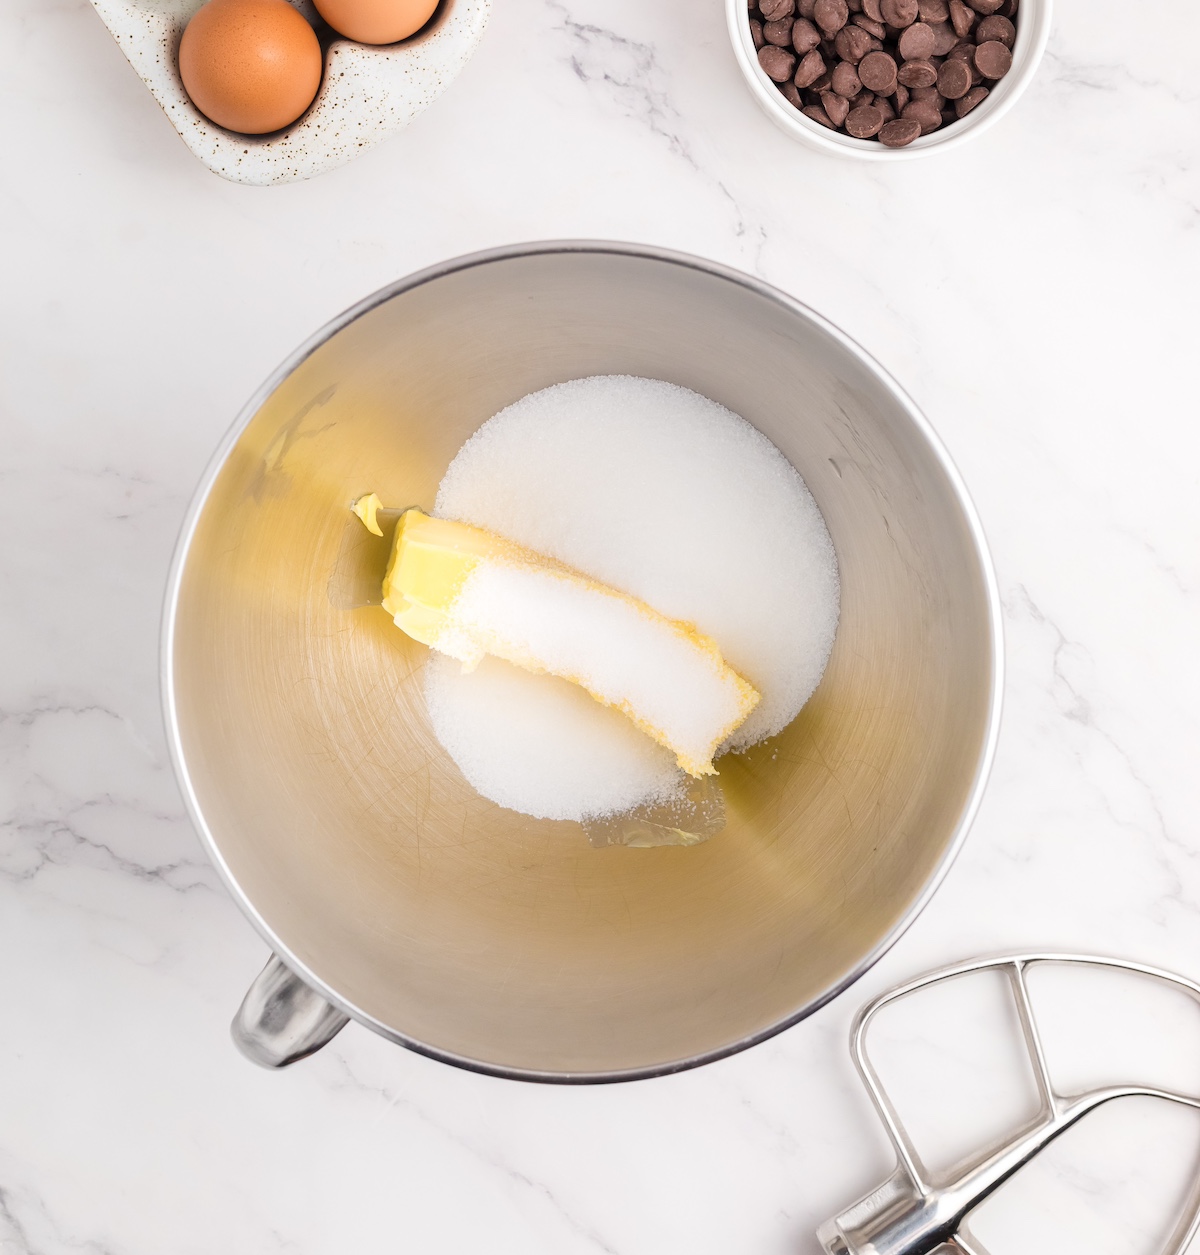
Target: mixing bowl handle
{"x":282,"y":1019}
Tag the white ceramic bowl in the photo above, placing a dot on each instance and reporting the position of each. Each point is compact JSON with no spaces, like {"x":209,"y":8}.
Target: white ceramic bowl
{"x":1033,"y":29}
{"x":366,"y":93}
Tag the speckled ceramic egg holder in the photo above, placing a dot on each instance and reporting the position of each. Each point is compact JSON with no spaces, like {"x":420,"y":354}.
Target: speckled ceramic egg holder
{"x":366,"y":94}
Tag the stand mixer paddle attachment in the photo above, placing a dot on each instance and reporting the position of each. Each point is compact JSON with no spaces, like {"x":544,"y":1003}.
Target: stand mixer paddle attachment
{"x":916,"y":1211}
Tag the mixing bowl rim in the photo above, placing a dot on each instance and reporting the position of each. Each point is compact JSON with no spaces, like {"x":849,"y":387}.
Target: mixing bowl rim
{"x":516,"y":252}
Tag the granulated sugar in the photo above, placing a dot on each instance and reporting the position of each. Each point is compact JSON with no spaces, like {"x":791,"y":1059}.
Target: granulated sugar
{"x":541,"y":745}
{"x":661,"y":493}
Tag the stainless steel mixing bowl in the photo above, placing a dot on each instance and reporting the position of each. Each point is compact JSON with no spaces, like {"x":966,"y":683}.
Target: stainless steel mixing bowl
{"x":396,"y":894}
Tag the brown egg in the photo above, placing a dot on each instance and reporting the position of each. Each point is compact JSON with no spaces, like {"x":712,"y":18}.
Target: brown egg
{"x":250,"y":65}
{"x":376,"y":21}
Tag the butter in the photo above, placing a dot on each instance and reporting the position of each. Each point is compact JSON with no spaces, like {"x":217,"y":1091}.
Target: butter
{"x":367,"y":508}
{"x":468,"y":593}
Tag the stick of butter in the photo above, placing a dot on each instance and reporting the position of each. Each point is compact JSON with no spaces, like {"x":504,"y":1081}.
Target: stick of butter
{"x":468,"y":593}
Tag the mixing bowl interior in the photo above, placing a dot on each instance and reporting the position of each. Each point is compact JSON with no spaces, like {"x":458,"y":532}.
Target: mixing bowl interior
{"x":475,"y":932}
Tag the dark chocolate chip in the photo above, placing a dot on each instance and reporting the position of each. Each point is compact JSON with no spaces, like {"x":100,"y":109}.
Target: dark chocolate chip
{"x":836,"y":107}
{"x":805,"y":36}
{"x":790,"y":94}
{"x":777,"y":10}
{"x":845,"y":81}
{"x":961,"y":18}
{"x":916,"y":42}
{"x":831,"y":15}
{"x":853,"y":43}
{"x":883,"y":69}
{"x":872,"y":28}
{"x":944,"y":38}
{"x":993,"y":60}
{"x":864,"y":122}
{"x":778,"y":33}
{"x":898,"y":13}
{"x":998,"y":28}
{"x":926,"y":113}
{"x":818,"y":115}
{"x":974,"y":97}
{"x":900,"y":132}
{"x":777,"y":63}
{"x":878,"y":73}
{"x":918,"y":74}
{"x":811,"y":67}
{"x":954,"y":79}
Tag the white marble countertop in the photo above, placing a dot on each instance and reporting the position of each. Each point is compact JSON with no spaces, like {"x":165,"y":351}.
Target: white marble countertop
{"x":1037,"y":293}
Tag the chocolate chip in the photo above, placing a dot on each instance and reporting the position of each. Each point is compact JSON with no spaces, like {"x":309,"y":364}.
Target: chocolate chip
{"x":777,"y":63}
{"x":918,"y":74}
{"x":899,"y":12}
{"x":831,"y":15}
{"x":954,"y":79}
{"x":944,"y":38}
{"x":872,"y":28}
{"x":837,"y":108}
{"x":864,"y":122}
{"x":926,"y":113}
{"x":776,"y":10}
{"x":993,"y":60}
{"x":998,"y":28}
{"x":778,"y":33}
{"x":878,"y":73}
{"x":899,"y":133}
{"x":809,"y":70}
{"x":845,"y":81}
{"x":916,"y":42}
{"x":853,"y":43}
{"x":961,"y":18}
{"x":805,"y":36}
{"x":883,"y":69}
{"x":974,"y":97}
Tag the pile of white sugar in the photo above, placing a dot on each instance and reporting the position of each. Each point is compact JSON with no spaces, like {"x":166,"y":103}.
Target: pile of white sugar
{"x":661,"y":493}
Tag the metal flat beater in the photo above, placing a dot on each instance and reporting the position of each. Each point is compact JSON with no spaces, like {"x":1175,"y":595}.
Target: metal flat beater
{"x":915,"y":1212}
